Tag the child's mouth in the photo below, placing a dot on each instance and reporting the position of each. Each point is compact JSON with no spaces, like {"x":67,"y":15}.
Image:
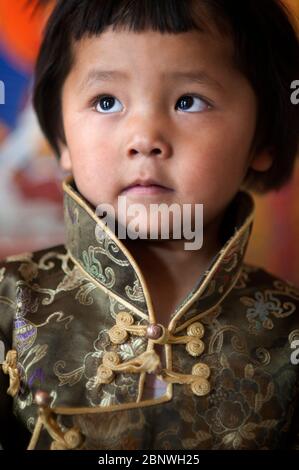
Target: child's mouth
{"x":146,"y":187}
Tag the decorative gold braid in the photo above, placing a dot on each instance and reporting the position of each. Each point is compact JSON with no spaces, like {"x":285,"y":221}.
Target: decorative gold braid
{"x":197,"y":379}
{"x":119,"y":333}
{"x":10,"y":367}
{"x":148,"y":361}
{"x":70,"y":440}
{"x":194,"y":345}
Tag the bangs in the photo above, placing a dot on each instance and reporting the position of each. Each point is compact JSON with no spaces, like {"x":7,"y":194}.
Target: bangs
{"x":165,"y":16}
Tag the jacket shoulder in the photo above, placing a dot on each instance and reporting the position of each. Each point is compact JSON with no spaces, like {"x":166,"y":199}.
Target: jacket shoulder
{"x":25,"y":269}
{"x":28,"y":265}
{"x":270,"y":302}
{"x":256,"y":278}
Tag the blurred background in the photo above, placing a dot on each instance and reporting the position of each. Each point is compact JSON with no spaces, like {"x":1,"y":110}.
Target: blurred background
{"x":31,"y":214}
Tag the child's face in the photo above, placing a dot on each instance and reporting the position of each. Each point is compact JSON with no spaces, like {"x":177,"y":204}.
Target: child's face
{"x":152,"y":129}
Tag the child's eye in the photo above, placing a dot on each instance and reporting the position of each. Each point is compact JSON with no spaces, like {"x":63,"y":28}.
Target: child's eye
{"x":107,"y":104}
{"x":186,"y":102}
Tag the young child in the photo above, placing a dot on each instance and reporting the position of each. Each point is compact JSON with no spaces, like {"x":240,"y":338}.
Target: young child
{"x":140,"y":343}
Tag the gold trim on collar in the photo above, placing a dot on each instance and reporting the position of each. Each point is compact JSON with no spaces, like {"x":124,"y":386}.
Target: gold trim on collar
{"x":172,"y":325}
{"x":67,"y":188}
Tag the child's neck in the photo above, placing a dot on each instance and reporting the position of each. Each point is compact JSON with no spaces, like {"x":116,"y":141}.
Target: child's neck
{"x":170,"y":271}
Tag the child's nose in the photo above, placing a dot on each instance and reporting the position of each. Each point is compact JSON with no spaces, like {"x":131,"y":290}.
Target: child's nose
{"x":149,"y":146}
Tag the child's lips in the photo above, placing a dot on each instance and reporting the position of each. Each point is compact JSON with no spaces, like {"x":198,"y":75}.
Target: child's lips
{"x":147,"y":186}
{"x":151,"y":189}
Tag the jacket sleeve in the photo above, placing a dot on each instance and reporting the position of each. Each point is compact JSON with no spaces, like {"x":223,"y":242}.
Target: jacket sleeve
{"x":293,"y":435}
{"x":6,"y":316}
{"x":11,"y":436}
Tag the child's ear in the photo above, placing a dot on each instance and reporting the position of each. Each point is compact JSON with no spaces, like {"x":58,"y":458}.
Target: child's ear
{"x":262,"y":161}
{"x":65,"y":159}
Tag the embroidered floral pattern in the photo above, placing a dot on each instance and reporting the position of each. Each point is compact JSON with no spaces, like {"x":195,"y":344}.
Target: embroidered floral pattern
{"x":108,"y":247}
{"x":244,"y":277}
{"x":135,"y":293}
{"x":237,"y":403}
{"x":93,"y":266}
{"x":262,"y":306}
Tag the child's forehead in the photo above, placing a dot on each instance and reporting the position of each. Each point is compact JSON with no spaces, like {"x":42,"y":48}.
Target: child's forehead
{"x":153,"y":47}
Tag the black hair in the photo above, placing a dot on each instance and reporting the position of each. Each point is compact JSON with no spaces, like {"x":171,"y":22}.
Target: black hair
{"x":266,"y":51}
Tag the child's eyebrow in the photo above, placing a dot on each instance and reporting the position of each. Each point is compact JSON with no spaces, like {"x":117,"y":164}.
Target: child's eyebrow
{"x":97,"y":75}
{"x":200,"y":77}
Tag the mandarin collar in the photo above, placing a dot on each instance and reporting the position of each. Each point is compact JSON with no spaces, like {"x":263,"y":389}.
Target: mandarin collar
{"x":108,"y":263}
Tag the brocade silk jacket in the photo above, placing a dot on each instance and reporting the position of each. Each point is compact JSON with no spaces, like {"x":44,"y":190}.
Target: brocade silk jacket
{"x":79,"y":339}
